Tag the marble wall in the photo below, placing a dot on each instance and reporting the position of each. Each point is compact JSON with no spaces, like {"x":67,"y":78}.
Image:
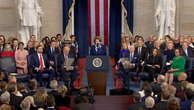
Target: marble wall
{"x":52,"y":19}
{"x":8,"y":15}
{"x":144,"y":17}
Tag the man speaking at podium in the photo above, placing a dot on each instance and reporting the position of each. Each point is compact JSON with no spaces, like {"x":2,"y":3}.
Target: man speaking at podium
{"x":98,"y":48}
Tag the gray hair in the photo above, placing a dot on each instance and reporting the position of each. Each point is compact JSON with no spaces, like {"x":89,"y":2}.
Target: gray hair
{"x":190,"y":86}
{"x":5,"y":97}
{"x":54,"y":84}
{"x":149,"y":102}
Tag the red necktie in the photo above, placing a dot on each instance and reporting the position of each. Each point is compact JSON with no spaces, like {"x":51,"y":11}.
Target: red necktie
{"x":41,"y":63}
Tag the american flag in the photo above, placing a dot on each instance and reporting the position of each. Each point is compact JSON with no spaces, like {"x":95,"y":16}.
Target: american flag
{"x":98,"y":20}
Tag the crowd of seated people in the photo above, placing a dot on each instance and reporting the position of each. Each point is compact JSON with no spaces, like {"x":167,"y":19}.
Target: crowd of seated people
{"x":49,"y":61}
{"x":165,"y":85}
{"x":166,"y":56}
{"x":20,"y":96}
{"x":43,"y":57}
{"x":160,"y":95}
{"x":161,"y":66}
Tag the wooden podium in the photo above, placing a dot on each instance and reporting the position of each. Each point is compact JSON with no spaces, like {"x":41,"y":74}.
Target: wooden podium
{"x":97,"y":68}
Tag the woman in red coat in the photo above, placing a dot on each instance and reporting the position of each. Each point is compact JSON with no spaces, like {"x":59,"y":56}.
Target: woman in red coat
{"x":7,"y":51}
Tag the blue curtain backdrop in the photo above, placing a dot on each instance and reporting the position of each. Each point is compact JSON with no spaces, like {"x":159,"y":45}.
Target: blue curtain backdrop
{"x":81,"y":24}
{"x":129,"y":6}
{"x":81,"y":27}
{"x":66,"y":6}
{"x":115,"y":28}
{"x":115,"y":25}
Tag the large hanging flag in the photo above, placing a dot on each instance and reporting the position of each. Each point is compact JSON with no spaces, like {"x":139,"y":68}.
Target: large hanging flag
{"x":98,"y":20}
{"x":101,"y":18}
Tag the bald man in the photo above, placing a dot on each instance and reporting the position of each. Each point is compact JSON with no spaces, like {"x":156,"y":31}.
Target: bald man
{"x":67,"y":66}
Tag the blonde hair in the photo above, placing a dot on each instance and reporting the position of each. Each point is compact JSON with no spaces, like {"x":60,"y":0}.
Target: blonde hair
{"x":5,"y":107}
{"x":62,"y":90}
{"x":149,"y":102}
{"x":27,"y":102}
{"x":54,"y":84}
{"x":40,"y":96}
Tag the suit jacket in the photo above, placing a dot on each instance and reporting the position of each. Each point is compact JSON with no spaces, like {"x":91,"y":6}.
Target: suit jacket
{"x":150,"y":62}
{"x":177,"y":45}
{"x":142,"y":55}
{"x":15,"y":101}
{"x":154,"y":60}
{"x":30,"y":50}
{"x":51,"y":55}
{"x":170,"y":54}
{"x":156,"y":88}
{"x":1,"y":48}
{"x":14,"y":48}
{"x":186,"y":105}
{"x":101,"y":50}
{"x":61,"y":62}
{"x":163,"y":46}
{"x":133,"y":60}
{"x":189,"y":52}
{"x":73,"y":51}
{"x":150,"y":46}
{"x":35,"y":62}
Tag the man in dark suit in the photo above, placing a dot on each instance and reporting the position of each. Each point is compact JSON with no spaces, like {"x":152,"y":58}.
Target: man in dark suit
{"x":14,"y":44}
{"x":186,"y":50}
{"x":59,"y":40}
{"x":141,"y":53}
{"x":74,"y":45}
{"x":125,"y":71}
{"x":30,"y":48}
{"x":162,"y":105}
{"x":140,"y":50}
{"x":67,"y":66}
{"x":133,"y":57}
{"x":41,"y":65}
{"x":156,"y":86}
{"x":150,"y":43}
{"x":98,"y":48}
{"x":52,"y":52}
